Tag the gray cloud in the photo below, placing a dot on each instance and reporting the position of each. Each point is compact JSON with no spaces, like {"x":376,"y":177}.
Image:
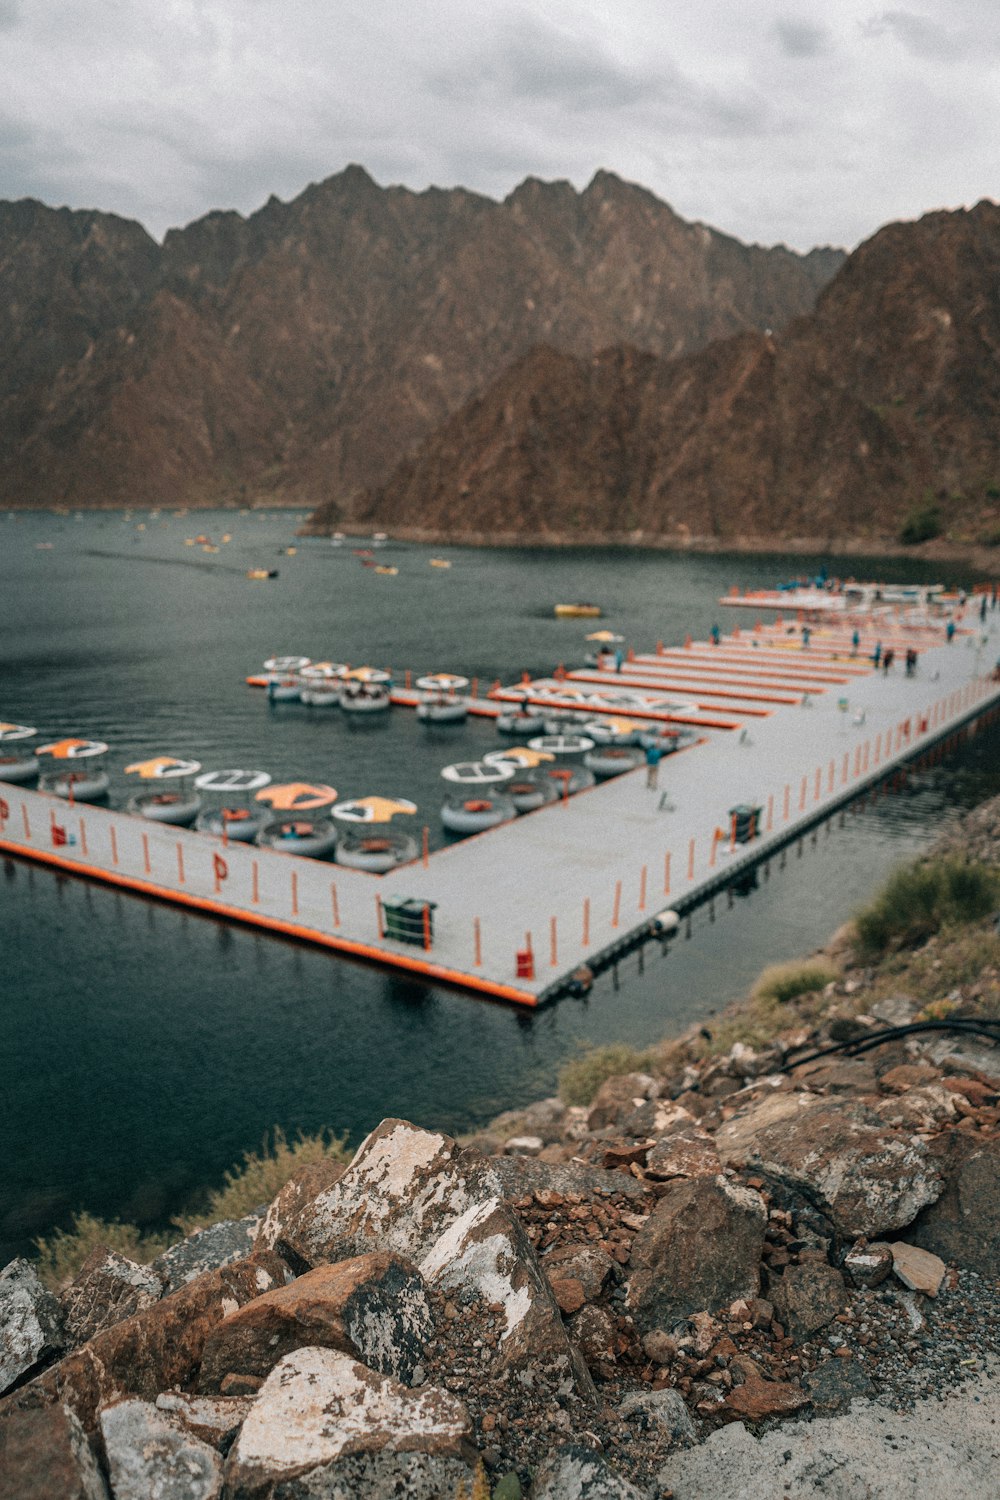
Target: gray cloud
{"x":798,"y":38}
{"x":776,"y":121}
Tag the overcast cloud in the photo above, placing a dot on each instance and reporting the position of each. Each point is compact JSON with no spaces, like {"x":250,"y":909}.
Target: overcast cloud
{"x":772,"y":119}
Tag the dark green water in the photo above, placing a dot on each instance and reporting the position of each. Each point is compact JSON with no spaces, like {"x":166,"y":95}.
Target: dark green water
{"x":142,"y":1048}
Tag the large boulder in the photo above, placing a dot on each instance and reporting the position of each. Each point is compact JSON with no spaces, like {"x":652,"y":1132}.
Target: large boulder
{"x":107,"y":1288}
{"x":373,"y":1307}
{"x":700,"y":1248}
{"x":30,"y":1324}
{"x":44,"y":1455}
{"x":964,"y":1224}
{"x":836,"y":1155}
{"x":417,"y":1193}
{"x":156,"y":1349}
{"x":324,"y":1425}
{"x":152,"y":1458}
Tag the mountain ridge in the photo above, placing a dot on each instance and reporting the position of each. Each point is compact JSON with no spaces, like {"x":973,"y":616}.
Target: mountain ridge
{"x":297,"y":355}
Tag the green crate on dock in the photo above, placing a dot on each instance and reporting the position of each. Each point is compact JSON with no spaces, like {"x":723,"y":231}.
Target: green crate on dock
{"x":745,"y":822}
{"x":407,"y":920}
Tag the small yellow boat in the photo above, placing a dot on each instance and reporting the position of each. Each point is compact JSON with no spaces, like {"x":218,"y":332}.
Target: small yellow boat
{"x":387,"y":572}
{"x":578,"y":611}
{"x":440,"y":562}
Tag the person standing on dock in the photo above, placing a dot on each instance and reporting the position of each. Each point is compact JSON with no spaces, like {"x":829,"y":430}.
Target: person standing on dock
{"x":716,"y":635}
{"x":887,"y":660}
{"x":806,"y":633}
{"x":855,"y":641}
{"x":877,"y":654}
{"x":949,"y":631}
{"x":653,"y":757}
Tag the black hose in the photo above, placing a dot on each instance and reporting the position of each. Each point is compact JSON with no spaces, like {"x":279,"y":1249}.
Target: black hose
{"x":968,"y":1025}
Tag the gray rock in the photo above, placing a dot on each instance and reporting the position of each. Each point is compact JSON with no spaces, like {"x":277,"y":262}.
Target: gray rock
{"x":619,"y":1096}
{"x":866,"y":1177}
{"x":149,"y":1456}
{"x":44,"y":1455}
{"x":807,"y":1297}
{"x":663,"y":1410}
{"x":835,"y":1383}
{"x":324,"y":1425}
{"x":700,"y":1248}
{"x":207,"y":1250}
{"x":940,"y":1449}
{"x":417,"y":1193}
{"x":515,"y":1176}
{"x":868,"y":1265}
{"x":107,"y":1288}
{"x":576,"y":1473}
{"x":30,"y":1324}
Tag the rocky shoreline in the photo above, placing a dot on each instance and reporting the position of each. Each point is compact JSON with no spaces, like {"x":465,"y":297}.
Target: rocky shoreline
{"x":686,"y":1286}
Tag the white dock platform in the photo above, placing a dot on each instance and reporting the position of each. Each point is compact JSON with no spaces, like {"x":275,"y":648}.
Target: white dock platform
{"x":579,"y":880}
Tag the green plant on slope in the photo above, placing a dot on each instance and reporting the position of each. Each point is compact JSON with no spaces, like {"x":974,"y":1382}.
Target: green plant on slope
{"x":62,"y":1253}
{"x":920,"y":899}
{"x":263,"y":1174}
{"x":923,"y":523}
{"x":582,"y":1076}
{"x":783,"y":982}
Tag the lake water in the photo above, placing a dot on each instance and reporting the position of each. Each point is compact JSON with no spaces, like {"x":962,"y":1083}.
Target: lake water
{"x":144,"y":1048}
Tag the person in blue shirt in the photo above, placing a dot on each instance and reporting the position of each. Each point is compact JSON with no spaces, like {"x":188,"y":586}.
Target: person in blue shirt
{"x":653,"y":757}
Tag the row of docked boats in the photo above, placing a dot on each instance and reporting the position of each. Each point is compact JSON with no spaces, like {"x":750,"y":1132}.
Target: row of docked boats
{"x":442,"y":696}
{"x":237,"y":806}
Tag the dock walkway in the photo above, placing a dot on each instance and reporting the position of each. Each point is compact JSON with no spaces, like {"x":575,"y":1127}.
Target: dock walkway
{"x":579,"y":880}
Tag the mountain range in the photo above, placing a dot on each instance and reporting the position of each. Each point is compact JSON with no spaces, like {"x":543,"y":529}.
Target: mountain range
{"x":558,"y":365}
{"x":874,"y":415}
{"x":298,"y":355}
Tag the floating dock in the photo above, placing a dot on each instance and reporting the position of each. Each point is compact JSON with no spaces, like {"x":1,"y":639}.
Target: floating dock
{"x":791,"y":730}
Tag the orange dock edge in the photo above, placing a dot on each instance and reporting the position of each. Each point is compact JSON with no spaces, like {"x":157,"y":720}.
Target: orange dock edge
{"x":365,"y":951}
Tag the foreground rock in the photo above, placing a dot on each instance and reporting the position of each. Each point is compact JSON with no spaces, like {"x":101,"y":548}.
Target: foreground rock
{"x":937,"y":1452}
{"x":700,"y":1248}
{"x":325,"y":1425}
{"x":576,"y":1473}
{"x":107,"y":1288}
{"x":158,"y":1348}
{"x":44,"y":1455}
{"x":835,"y":1153}
{"x":151,"y":1458}
{"x":30,"y":1324}
{"x":417,"y":1193}
{"x":373,"y":1308}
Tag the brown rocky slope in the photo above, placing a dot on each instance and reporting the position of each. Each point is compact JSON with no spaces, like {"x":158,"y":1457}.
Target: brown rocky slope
{"x":886,"y":397}
{"x":297,"y":355}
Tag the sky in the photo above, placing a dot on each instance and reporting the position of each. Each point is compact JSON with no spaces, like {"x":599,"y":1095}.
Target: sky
{"x":774,"y":120}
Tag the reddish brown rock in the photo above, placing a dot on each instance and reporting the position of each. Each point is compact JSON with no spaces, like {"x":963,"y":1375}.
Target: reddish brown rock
{"x":214,"y":1419}
{"x":699,"y":1249}
{"x":307,"y":1183}
{"x":158,"y":1348}
{"x":107,"y":1288}
{"x":591,"y":1266}
{"x":568,"y":1292}
{"x":918,"y":1269}
{"x":44,"y":1455}
{"x":618,"y":1096}
{"x":868,"y":1265}
{"x":685,"y":1153}
{"x":373,"y":1308}
{"x":757,"y":1398}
